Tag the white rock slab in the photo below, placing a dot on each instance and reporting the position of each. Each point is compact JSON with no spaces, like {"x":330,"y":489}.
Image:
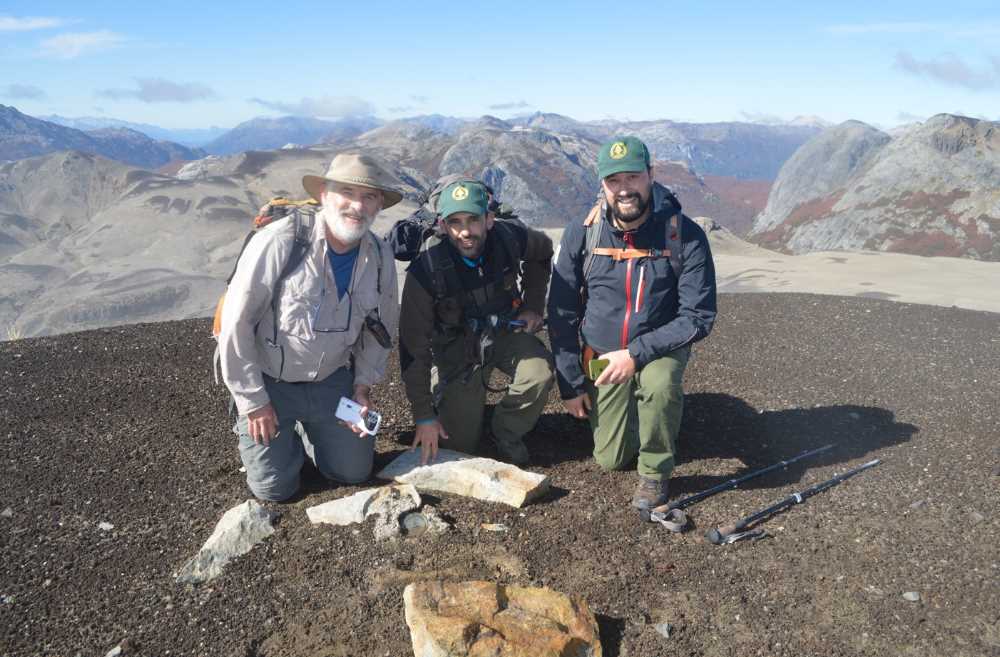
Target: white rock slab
{"x":388,"y":503}
{"x":240,"y":528}
{"x":470,"y":476}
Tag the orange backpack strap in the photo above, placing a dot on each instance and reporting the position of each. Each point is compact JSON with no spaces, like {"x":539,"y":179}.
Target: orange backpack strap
{"x":628,"y":254}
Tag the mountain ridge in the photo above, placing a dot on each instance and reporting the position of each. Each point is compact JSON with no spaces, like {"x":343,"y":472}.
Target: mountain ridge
{"x":930,"y":190}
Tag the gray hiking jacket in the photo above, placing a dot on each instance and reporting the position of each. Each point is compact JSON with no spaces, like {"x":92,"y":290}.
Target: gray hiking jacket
{"x":247,"y":344}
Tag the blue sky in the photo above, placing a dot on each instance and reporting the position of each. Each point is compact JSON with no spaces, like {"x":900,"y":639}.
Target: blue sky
{"x":194,"y":64}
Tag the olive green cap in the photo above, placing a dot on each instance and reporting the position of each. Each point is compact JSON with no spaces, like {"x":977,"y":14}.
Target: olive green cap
{"x":622,"y":154}
{"x":463,"y":197}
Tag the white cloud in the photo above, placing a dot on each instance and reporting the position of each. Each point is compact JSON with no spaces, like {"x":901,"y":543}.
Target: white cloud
{"x":325,"y":107}
{"x":27,"y":23}
{"x":22,"y":91}
{"x":73,"y":44}
{"x":158,"y":90}
{"x":950,"y":69}
{"x":510,"y":105}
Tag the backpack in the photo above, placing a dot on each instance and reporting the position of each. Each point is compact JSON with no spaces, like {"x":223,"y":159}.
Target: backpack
{"x":595,"y":228}
{"x":303,"y":215}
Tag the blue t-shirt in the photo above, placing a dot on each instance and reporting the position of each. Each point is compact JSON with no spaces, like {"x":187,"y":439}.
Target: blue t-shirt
{"x":342,"y":265}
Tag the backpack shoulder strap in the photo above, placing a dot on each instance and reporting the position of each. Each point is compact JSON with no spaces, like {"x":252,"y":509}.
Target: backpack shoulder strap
{"x":379,"y":261}
{"x":303,"y":228}
{"x":595,"y":226}
{"x":438,"y":265}
{"x":512,"y":252}
{"x":674,"y":243}
{"x":509,"y":243}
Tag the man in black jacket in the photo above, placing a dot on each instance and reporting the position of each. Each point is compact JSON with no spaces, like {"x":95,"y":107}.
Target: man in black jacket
{"x":472,"y":299}
{"x":637,"y":294}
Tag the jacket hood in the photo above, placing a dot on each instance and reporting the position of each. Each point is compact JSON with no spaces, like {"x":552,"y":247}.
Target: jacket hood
{"x":664,"y":200}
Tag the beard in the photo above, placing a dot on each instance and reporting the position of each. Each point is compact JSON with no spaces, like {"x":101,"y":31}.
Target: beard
{"x":345,"y":230}
{"x":471,"y":249}
{"x":627,"y":215}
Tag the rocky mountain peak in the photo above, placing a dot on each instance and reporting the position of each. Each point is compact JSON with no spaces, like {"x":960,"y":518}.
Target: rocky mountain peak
{"x":930,"y":191}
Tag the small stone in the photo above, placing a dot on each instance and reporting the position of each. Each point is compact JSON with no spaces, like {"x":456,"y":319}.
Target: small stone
{"x":664,"y":629}
{"x":239,"y":529}
{"x":6,"y":599}
{"x":47,"y":583}
{"x":918,"y":504}
{"x":7,"y":513}
{"x":975,"y":517}
{"x":115,"y":652}
{"x":243,"y":468}
{"x":105,"y":526}
{"x":996,"y":471}
{"x":911,"y":596}
{"x":494,"y":527}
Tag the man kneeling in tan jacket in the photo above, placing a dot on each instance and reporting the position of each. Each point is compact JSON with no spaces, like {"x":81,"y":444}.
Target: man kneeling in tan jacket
{"x":291,"y":347}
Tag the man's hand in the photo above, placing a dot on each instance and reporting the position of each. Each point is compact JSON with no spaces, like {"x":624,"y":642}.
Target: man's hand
{"x":621,"y":368}
{"x":427,"y":437}
{"x":578,"y":407}
{"x":262,"y":423}
{"x":532,"y":321}
{"x":360,"y":396}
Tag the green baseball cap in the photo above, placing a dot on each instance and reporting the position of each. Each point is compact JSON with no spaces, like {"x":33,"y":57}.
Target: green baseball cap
{"x":463,"y":197}
{"x":622,"y":154}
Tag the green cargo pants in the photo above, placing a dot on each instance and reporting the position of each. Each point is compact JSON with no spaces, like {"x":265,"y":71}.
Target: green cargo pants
{"x":640,"y":417}
{"x":520,"y":356}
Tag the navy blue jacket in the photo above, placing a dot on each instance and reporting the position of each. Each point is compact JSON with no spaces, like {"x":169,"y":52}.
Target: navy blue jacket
{"x":650,"y":321}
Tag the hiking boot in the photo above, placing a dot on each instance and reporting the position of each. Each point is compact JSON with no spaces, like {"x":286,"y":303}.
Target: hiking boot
{"x":512,"y":451}
{"x":650,"y":493}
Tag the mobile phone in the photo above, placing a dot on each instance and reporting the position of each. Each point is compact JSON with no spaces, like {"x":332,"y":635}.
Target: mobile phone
{"x":596,"y":366}
{"x":349,"y":411}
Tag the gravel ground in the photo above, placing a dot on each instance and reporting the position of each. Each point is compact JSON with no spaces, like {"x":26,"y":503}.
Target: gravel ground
{"x":125,"y":426}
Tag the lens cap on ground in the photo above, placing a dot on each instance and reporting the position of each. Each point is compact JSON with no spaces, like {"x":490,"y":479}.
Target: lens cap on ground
{"x":414,"y":523}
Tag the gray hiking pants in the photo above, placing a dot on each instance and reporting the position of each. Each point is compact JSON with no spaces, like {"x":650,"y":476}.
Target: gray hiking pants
{"x":339,"y":453}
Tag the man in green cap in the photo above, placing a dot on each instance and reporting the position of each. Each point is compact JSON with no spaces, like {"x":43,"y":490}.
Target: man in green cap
{"x":632,"y":289}
{"x":472,"y":300}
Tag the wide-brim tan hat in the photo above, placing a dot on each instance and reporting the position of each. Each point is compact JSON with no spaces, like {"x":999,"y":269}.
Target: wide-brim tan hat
{"x":356,"y":169}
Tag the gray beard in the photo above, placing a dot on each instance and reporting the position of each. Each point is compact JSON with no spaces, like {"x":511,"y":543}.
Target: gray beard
{"x":343,"y":232}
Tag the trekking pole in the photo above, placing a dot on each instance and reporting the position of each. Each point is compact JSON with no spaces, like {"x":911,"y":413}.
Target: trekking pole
{"x":734,"y":532}
{"x":671,"y":516}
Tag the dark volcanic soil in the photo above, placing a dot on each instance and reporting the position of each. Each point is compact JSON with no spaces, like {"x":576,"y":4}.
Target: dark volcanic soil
{"x":125,"y":426}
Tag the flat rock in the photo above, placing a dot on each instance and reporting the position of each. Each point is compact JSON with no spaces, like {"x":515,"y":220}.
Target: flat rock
{"x":911,"y":596}
{"x":387,"y":503}
{"x":239,"y":529}
{"x":455,"y":619}
{"x":470,"y":476}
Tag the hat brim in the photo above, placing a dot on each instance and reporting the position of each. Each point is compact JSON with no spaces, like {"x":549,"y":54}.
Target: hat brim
{"x":314,"y":187}
{"x":622,"y":167}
